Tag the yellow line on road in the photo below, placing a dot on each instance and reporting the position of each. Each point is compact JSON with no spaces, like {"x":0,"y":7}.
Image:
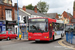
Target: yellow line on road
{"x":60,"y":42}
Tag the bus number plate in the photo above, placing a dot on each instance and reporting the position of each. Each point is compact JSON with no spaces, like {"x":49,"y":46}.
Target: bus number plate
{"x":37,"y":39}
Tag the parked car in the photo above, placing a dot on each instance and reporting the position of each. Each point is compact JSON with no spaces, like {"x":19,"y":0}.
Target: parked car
{"x":8,"y":35}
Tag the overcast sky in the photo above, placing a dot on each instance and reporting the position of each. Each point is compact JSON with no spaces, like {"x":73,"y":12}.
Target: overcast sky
{"x":55,"y":6}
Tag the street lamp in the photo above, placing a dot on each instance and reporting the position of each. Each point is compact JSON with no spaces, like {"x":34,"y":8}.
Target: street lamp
{"x":18,"y":17}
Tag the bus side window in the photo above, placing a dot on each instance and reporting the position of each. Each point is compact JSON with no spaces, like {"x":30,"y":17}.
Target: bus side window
{"x":53,"y":25}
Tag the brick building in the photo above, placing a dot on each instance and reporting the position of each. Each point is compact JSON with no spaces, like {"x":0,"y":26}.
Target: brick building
{"x":66,"y":17}
{"x":53,"y":15}
{"x":73,"y":18}
{"x":7,"y":15}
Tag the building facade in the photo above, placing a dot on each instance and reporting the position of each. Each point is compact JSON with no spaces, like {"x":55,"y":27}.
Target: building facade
{"x":73,"y":18}
{"x":7,"y":14}
{"x":66,"y":17}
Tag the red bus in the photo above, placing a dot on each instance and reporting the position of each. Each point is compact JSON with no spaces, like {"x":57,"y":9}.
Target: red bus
{"x":45,"y":29}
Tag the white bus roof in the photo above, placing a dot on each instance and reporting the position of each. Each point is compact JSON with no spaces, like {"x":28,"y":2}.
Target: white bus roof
{"x":59,"y":21}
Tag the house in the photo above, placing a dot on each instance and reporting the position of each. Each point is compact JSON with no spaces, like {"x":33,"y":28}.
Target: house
{"x":66,"y":17}
{"x":22,"y":14}
{"x":7,"y":15}
{"x":53,"y":15}
{"x":73,"y":18}
{"x":34,"y":13}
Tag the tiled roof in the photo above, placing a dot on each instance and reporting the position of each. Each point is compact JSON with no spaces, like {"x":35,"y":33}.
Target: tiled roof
{"x":33,"y":13}
{"x":21,"y":13}
{"x":1,"y":1}
{"x":52,"y":15}
{"x":69,"y":15}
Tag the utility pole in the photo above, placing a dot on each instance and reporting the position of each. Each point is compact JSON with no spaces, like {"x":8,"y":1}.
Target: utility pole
{"x":26,"y":25}
{"x":18,"y":17}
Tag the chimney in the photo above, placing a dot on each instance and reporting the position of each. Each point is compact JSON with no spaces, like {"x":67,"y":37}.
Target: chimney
{"x":15,"y":5}
{"x":24,"y":8}
{"x":35,"y":9}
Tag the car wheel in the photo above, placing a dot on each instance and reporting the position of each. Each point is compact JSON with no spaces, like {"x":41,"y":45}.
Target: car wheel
{"x":16,"y":37}
{"x":0,"y":39}
{"x":8,"y":38}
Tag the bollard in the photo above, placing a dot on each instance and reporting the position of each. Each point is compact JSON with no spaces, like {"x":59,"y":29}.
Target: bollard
{"x":20,"y":35}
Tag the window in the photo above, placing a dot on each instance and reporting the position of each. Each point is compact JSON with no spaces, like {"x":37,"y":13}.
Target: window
{"x":38,"y":27}
{"x":58,"y":26}
{"x":9,"y":32}
{"x":8,"y":14}
{"x":3,"y":32}
{"x":12,"y":32}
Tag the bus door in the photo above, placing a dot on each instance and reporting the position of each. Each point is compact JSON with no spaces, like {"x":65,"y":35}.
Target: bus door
{"x":50,"y":30}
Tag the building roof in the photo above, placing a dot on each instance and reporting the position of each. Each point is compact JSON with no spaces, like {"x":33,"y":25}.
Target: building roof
{"x":21,"y":13}
{"x":33,"y":13}
{"x":1,"y":1}
{"x":69,"y":15}
{"x":52,"y":15}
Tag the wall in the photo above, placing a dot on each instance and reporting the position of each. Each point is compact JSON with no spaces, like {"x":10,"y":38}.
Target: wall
{"x":2,"y":12}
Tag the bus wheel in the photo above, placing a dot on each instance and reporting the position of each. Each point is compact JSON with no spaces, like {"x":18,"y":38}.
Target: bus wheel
{"x":0,"y":39}
{"x":53,"y":37}
{"x":36,"y":41}
{"x":61,"y":36}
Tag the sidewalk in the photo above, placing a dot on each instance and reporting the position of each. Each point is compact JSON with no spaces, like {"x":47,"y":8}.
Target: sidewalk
{"x":66,"y":44}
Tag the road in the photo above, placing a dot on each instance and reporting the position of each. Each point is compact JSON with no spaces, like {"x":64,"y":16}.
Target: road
{"x":32,"y":45}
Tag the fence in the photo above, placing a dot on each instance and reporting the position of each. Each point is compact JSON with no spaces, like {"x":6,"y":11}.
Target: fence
{"x":70,"y":37}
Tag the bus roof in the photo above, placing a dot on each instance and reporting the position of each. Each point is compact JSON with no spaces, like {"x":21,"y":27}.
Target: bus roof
{"x":50,"y":20}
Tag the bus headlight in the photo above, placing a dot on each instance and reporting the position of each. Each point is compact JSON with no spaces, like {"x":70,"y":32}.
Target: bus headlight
{"x":45,"y":37}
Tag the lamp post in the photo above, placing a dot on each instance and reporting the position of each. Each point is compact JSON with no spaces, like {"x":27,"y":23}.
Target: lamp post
{"x":18,"y":17}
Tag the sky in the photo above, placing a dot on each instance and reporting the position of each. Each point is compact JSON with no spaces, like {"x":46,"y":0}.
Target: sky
{"x":55,"y":6}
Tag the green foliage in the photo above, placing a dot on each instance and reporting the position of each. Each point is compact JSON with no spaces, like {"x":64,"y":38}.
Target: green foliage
{"x":30,"y":7}
{"x":59,"y":15}
{"x":42,"y":7}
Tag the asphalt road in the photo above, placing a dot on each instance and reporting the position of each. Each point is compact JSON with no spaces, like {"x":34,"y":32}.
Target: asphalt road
{"x":32,"y":45}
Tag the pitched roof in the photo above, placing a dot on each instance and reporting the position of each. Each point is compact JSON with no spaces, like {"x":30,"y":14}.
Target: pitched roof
{"x":21,"y":13}
{"x":69,"y":15}
{"x":1,"y":1}
{"x":52,"y":15}
{"x":33,"y":13}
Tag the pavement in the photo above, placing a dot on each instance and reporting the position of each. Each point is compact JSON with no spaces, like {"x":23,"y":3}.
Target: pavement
{"x":66,"y":44}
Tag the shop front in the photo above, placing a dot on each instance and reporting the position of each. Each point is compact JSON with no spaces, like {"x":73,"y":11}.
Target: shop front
{"x":23,"y":29}
{"x":2,"y":26}
{"x":10,"y":25}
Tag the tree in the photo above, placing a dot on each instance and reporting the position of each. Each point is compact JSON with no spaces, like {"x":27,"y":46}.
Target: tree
{"x":42,"y":7}
{"x":59,"y":14}
{"x":30,"y":7}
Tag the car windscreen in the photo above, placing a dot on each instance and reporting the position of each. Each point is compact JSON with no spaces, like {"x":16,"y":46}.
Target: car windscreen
{"x":3,"y":32}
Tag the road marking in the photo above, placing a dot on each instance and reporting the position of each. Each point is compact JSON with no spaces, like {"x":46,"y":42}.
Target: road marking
{"x":60,"y":42}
